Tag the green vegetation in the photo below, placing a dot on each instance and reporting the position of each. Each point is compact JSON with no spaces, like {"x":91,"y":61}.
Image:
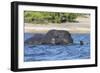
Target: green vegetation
{"x":49,"y":17}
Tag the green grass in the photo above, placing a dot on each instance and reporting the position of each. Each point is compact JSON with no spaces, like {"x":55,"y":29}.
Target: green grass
{"x":49,"y":17}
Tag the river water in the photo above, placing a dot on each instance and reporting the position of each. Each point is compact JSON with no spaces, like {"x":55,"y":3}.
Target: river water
{"x":58,"y":52}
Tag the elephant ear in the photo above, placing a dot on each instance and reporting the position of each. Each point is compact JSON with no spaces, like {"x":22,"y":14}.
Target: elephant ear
{"x":51,"y":33}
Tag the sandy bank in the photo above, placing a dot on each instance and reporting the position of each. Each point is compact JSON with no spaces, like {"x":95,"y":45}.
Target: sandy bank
{"x":82,"y":26}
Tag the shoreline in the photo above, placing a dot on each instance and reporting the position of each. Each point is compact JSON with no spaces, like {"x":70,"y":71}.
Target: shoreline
{"x":45,"y":33}
{"x":46,"y":29}
{"x":82,"y":26}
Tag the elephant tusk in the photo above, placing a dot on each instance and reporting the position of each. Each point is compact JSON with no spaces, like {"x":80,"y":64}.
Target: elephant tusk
{"x":53,"y":40}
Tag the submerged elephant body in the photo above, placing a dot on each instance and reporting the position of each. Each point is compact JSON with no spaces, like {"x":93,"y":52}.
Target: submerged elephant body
{"x":52,"y":37}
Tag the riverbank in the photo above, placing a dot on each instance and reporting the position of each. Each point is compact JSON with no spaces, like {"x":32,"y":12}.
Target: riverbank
{"x":81,"y":26}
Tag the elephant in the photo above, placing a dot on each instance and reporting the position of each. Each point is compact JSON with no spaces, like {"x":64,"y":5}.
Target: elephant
{"x":56,"y":37}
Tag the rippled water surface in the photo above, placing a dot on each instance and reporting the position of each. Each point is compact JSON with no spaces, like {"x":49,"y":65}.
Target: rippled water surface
{"x":58,"y":52}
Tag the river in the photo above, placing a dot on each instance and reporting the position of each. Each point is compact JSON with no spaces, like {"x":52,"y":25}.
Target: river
{"x":58,"y":52}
